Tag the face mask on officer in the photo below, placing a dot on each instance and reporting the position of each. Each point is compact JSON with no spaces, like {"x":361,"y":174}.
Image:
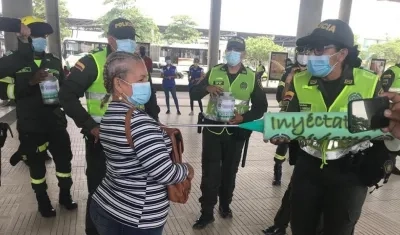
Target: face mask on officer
{"x":127,"y":45}
{"x":302,"y":59}
{"x":233,"y":58}
{"x":320,"y":65}
{"x":39,"y":44}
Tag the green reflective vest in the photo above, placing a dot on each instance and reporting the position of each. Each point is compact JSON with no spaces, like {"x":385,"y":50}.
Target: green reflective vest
{"x":311,"y":100}
{"x":395,"y":87}
{"x":96,"y":93}
{"x":241,"y":89}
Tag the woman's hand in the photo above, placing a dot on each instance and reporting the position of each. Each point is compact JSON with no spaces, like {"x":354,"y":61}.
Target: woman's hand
{"x":191,"y":171}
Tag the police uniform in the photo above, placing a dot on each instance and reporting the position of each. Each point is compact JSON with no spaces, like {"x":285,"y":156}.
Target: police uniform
{"x":328,"y":177}
{"x":195,"y":73}
{"x":390,"y":80}
{"x":42,"y":126}
{"x":260,"y":71}
{"x":86,"y":78}
{"x":222,"y":147}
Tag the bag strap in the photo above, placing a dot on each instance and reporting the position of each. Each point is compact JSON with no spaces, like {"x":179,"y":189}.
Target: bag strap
{"x":128,"y":118}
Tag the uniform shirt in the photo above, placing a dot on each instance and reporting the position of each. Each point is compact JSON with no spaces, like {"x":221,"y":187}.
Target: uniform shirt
{"x":82,"y":75}
{"x":134,"y":190}
{"x":195,"y":73}
{"x":168,"y":70}
{"x":259,"y":104}
{"x":10,"y":64}
{"x":329,"y":89}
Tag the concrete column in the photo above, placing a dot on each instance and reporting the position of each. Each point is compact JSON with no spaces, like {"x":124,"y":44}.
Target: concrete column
{"x":52,"y":17}
{"x":345,"y":10}
{"x":310,"y":13}
{"x":15,"y":9}
{"x":213,"y":41}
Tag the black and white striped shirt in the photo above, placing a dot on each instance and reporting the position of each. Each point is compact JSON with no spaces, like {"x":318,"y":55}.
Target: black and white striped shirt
{"x":134,"y":191}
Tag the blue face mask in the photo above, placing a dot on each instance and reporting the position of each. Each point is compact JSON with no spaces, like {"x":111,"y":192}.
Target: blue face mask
{"x":127,"y":45}
{"x":141,"y":93}
{"x":319,"y":66}
{"x":233,"y":58}
{"x":39,"y":44}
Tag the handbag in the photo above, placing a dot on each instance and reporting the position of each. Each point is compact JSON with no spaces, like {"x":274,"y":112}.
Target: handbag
{"x":177,"y":192}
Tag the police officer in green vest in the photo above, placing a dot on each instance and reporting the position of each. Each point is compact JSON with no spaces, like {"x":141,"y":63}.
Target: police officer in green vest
{"x":41,"y":123}
{"x":86,"y":78}
{"x":330,"y":177}
{"x":391,"y":82}
{"x":260,"y":70}
{"x":232,"y":87}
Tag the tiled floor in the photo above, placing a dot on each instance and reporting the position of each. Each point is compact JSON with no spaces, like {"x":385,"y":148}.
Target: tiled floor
{"x":255,"y":202}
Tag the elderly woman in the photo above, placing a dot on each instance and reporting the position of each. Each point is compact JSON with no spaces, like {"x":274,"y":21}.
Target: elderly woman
{"x":132,"y":198}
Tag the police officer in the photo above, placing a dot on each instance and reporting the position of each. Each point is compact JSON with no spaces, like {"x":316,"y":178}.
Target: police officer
{"x":86,"y":78}
{"x":281,"y":150}
{"x":260,"y":70}
{"x":338,"y":190}
{"x":231,"y":86}
{"x":196,"y":73}
{"x":391,"y":82}
{"x":42,"y":125}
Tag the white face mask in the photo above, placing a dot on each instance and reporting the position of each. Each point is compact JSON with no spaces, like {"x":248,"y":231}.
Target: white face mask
{"x":302,"y":59}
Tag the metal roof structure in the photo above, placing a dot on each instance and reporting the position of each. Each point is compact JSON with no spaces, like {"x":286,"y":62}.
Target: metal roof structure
{"x":91,"y":25}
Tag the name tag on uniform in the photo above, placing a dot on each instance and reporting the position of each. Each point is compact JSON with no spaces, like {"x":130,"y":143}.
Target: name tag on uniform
{"x":25,"y":70}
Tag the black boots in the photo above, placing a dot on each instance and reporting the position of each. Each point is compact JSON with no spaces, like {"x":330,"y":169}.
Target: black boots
{"x":203,"y":221}
{"x":277,"y":174}
{"x":45,"y":207}
{"x":65,"y":199}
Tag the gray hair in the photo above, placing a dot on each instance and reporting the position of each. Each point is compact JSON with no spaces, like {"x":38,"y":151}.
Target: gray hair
{"x":117,"y":65}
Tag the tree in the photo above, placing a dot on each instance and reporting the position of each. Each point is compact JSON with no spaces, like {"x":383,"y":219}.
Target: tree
{"x":259,"y":48}
{"x":182,"y":29}
{"x":389,"y":50}
{"x":145,"y":27}
{"x":39,"y":10}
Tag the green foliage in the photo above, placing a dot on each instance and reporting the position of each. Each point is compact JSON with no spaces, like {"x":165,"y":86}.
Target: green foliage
{"x":146,"y":29}
{"x":389,"y":51}
{"x":39,"y":10}
{"x":182,"y":29}
{"x":259,"y":49}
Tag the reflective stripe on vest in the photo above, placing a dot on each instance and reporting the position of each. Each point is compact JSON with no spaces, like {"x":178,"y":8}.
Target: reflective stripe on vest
{"x":241,"y":89}
{"x":395,"y":87}
{"x":364,"y":87}
{"x":10,"y":87}
{"x":96,"y":93}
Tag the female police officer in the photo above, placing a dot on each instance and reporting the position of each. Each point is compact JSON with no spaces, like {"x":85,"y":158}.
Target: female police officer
{"x":337,"y":190}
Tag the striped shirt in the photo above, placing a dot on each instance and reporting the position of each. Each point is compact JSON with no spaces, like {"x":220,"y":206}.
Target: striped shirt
{"x":134,"y":190}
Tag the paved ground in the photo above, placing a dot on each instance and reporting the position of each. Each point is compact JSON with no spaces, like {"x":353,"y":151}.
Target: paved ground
{"x":255,"y":201}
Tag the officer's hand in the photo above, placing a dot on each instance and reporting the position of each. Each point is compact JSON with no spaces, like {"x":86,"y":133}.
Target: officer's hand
{"x":96,"y":133}
{"x":39,"y":76}
{"x":214,"y":90}
{"x":25,"y":32}
{"x":191,"y":171}
{"x":236,"y":119}
{"x":290,"y":76}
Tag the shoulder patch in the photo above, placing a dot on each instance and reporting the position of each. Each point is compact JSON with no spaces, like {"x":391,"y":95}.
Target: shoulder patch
{"x":80,"y":66}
